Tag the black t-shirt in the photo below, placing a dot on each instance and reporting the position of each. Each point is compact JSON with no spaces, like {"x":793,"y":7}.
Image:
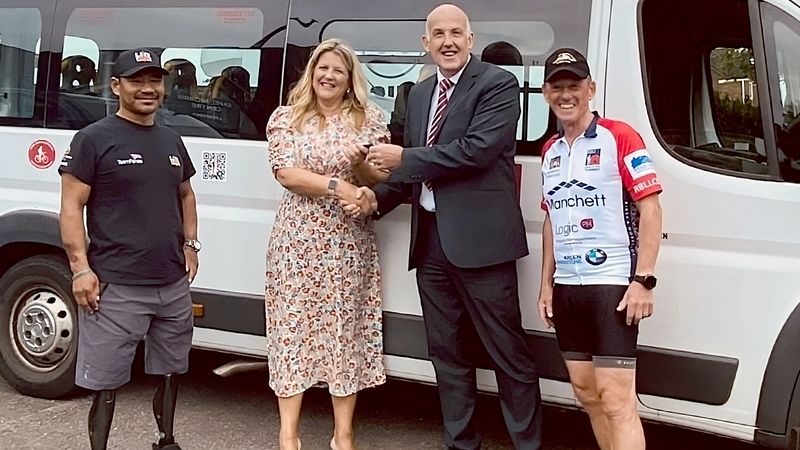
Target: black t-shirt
{"x":134,"y":213}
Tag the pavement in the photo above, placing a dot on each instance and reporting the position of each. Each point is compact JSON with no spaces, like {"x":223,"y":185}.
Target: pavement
{"x":240,"y":413}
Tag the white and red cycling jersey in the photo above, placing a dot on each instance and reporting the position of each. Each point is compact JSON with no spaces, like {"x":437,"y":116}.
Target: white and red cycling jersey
{"x":590,"y":193}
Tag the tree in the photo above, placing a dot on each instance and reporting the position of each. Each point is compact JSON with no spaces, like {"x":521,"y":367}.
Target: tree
{"x":732,"y":63}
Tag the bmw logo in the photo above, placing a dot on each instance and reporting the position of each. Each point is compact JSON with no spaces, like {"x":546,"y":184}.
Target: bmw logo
{"x":596,"y":256}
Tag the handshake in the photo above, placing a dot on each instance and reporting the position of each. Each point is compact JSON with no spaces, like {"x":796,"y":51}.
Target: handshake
{"x":356,"y":201}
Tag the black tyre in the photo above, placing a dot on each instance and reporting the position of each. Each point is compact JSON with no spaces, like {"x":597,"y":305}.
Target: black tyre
{"x":38,"y":327}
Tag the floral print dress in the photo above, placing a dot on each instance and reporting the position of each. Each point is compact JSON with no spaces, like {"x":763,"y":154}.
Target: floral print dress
{"x":323,"y":298}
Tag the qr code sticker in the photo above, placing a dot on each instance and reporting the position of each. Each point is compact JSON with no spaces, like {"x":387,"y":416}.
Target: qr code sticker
{"x":215,"y":166}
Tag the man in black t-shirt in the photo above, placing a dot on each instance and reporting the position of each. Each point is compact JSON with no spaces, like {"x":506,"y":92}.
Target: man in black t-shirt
{"x":132,"y":178}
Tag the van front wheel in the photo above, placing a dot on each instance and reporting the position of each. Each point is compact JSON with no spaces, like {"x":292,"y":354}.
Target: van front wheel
{"x":38,"y":327}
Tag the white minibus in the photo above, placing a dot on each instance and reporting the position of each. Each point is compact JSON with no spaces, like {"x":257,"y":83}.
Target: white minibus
{"x":713,"y":87}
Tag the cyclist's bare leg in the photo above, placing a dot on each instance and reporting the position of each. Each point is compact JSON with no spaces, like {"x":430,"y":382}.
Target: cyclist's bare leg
{"x":581,"y":374}
{"x":617,"y":389}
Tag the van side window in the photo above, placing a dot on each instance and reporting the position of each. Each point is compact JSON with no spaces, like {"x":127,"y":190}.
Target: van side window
{"x":222,"y":72}
{"x":20,"y":32}
{"x":223,"y":98}
{"x":737,"y":128}
{"x":517,"y":37}
{"x":782,"y":39}
{"x":707,"y":99}
{"x":81,"y":98}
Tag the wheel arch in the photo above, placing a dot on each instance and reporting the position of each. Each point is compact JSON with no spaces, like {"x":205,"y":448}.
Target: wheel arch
{"x":28,"y":232}
{"x":780,"y":385}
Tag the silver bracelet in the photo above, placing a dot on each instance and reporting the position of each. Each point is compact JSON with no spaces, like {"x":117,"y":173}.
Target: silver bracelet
{"x":81,"y":273}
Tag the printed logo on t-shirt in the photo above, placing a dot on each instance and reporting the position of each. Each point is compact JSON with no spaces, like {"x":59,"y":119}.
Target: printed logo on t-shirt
{"x":639,"y":164}
{"x":553,"y":166}
{"x":592,"y":160}
{"x":644,"y":185}
{"x":66,"y":159}
{"x":174,"y":160}
{"x":596,"y":256}
{"x":134,"y":159}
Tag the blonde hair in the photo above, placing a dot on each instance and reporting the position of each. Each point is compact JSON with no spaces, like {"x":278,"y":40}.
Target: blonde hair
{"x":303,"y":99}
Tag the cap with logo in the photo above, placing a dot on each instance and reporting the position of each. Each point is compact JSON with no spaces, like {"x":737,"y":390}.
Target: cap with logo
{"x":130,"y":62}
{"x":566,"y":61}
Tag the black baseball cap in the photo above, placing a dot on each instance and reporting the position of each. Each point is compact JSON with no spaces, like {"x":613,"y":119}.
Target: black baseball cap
{"x":566,"y":61}
{"x":130,"y":62}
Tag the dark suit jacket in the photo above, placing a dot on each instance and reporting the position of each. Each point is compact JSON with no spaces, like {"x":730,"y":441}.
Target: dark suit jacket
{"x":471,"y":168}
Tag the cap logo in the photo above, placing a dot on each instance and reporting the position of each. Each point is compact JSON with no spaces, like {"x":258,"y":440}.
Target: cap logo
{"x":565,"y":58}
{"x":143,"y":57}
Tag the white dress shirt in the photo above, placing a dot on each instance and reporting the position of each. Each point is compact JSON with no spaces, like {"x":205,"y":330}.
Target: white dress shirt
{"x":426,"y":199}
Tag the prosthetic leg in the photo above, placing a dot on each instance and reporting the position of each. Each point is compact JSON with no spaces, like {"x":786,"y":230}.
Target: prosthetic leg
{"x":164,"y":410}
{"x":100,"y":417}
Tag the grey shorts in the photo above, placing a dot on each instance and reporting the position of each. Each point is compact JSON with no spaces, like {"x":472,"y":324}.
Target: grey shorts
{"x":160,"y":315}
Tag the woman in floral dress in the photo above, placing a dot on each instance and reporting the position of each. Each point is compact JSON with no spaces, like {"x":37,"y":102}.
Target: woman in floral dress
{"x":323,"y":298}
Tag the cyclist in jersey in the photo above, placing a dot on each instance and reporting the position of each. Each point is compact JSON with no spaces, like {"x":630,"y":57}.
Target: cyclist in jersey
{"x":601,"y":237}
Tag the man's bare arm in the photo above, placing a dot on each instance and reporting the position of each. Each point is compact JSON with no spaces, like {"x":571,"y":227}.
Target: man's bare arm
{"x":85,"y":285}
{"x":649,"y":234}
{"x":548,"y":270}
{"x":189,"y":205}
{"x":638,"y":301}
{"x":74,"y":196}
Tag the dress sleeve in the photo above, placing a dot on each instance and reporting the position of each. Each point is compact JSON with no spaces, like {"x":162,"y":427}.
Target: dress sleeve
{"x":281,"y":140}
{"x":375,"y":129}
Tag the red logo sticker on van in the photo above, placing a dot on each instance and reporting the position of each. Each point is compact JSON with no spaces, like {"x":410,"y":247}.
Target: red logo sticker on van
{"x":41,"y":154}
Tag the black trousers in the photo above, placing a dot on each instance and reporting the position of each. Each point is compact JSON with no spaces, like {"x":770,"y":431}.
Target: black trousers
{"x":465,"y":312}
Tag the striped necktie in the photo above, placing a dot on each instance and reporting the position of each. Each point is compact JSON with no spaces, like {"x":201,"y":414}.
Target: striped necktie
{"x":436,"y":124}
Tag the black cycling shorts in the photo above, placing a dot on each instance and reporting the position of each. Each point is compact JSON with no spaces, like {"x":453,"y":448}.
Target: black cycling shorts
{"x":589,"y":328}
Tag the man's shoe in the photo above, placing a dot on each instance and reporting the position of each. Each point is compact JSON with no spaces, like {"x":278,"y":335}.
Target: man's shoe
{"x":172,"y":446}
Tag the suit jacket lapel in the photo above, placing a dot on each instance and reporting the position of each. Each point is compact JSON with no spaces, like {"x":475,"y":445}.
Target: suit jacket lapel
{"x":465,"y":83}
{"x":424,"y":110}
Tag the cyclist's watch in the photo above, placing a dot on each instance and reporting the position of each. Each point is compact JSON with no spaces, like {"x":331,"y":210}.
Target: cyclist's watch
{"x":193,"y":244}
{"x":648,"y":281}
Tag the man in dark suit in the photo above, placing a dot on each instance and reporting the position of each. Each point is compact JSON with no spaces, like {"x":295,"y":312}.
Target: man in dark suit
{"x":457,"y":167}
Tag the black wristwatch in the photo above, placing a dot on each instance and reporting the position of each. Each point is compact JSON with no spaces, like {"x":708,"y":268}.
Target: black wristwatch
{"x":648,"y":281}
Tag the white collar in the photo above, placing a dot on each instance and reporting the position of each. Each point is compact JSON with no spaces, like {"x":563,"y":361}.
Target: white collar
{"x":454,"y":79}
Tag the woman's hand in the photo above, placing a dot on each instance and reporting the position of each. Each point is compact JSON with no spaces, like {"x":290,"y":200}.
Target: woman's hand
{"x":347,"y":193}
{"x":356,"y":154}
{"x":356,"y":201}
